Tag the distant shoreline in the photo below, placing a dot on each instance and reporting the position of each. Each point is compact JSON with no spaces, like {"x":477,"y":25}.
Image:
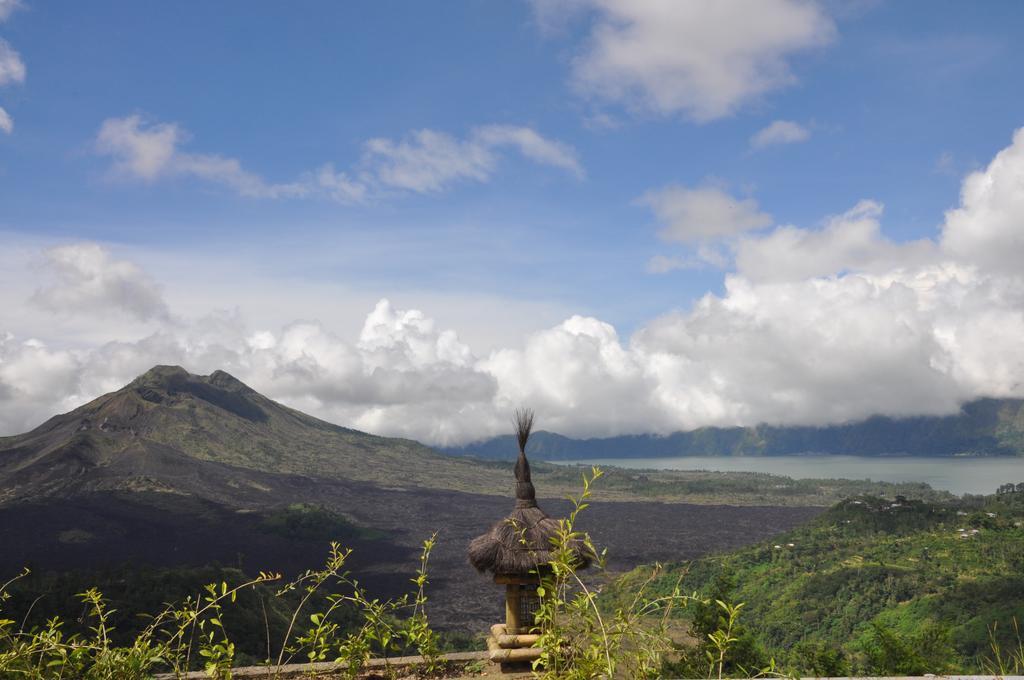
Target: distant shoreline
{"x":956,"y":474}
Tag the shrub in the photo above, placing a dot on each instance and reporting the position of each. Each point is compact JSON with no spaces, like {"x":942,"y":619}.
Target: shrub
{"x":579,"y":640}
{"x":194,"y":632}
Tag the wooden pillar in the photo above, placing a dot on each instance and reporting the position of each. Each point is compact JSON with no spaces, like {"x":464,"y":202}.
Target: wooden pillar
{"x":512,"y":614}
{"x":512,"y":644}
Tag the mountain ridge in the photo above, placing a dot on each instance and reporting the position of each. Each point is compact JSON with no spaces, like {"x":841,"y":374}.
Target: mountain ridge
{"x":167,"y":421}
{"x":984,"y":427}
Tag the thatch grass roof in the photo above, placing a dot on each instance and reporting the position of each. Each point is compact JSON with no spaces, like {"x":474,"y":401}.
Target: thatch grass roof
{"x":521,"y":542}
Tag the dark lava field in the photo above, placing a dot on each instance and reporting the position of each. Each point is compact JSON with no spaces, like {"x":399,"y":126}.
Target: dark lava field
{"x":101,"y":530}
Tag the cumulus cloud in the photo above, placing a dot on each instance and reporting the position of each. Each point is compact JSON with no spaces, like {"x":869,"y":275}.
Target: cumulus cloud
{"x":6,"y":122}
{"x":402,"y":375}
{"x":35,"y":382}
{"x":688,"y":215}
{"x":89,"y":280}
{"x":703,"y":59}
{"x":813,"y":326}
{"x":779,"y":132}
{"x":988,"y":225}
{"x":426,"y":161}
{"x":852,"y":241}
{"x":579,"y":375}
{"x":12,"y":68}
{"x":812,"y":352}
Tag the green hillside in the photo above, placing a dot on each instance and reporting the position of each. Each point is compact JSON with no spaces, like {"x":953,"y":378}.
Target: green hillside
{"x":874,"y":576}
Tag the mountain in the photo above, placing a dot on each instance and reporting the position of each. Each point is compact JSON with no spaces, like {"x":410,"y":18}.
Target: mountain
{"x":212,"y":436}
{"x":986,"y":427}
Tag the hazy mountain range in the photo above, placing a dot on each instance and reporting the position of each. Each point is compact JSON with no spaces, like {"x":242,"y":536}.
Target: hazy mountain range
{"x":986,"y":427}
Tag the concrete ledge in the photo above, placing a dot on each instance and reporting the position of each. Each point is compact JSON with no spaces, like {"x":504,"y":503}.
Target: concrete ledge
{"x":308,"y":670}
{"x":305,"y":670}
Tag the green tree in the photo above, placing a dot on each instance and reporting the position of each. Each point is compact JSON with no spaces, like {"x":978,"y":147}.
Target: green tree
{"x":820,"y":659}
{"x":929,"y":650}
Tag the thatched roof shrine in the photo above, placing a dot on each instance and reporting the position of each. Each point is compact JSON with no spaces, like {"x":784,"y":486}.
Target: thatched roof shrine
{"x":521,"y":542}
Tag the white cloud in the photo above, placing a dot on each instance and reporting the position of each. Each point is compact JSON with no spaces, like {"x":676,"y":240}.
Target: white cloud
{"x":143,"y":153}
{"x":945,"y":164}
{"x":779,"y":132}
{"x":35,"y":382}
{"x":89,"y":280}
{"x":403,"y":375}
{"x":7,"y":8}
{"x":702,"y":58}
{"x":579,"y":376}
{"x":429,"y":161}
{"x":150,"y":152}
{"x":813,"y":351}
{"x":704,"y":256}
{"x":601,"y":122}
{"x":532,"y":145}
{"x":426,"y":161}
{"x":988,"y":226}
{"x":12,"y":68}
{"x":814,"y":326}
{"x":852,"y":241}
{"x":810,"y":351}
{"x":703,"y":213}
{"x":340,"y":186}
{"x":663,"y":264}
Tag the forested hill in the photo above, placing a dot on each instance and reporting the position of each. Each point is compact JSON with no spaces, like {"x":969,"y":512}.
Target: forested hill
{"x":986,"y":427}
{"x":872,"y":586}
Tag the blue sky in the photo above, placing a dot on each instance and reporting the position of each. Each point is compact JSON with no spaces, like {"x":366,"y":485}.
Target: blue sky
{"x":582,"y":114}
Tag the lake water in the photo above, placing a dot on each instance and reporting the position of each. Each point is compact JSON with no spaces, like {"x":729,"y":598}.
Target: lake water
{"x":959,"y":475}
